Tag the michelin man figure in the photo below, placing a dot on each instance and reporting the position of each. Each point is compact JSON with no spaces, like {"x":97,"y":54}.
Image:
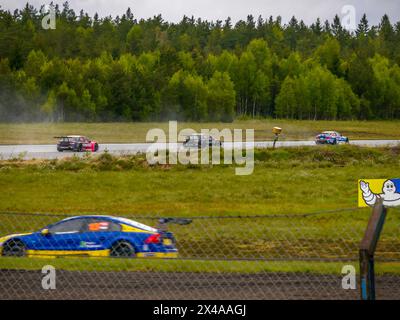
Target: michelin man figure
{"x":389,"y":195}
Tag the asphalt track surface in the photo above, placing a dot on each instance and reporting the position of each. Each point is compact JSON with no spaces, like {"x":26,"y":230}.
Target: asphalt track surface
{"x":78,"y":285}
{"x":50,"y":151}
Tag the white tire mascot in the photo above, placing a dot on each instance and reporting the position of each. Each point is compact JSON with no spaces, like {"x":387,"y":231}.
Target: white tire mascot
{"x":389,"y":195}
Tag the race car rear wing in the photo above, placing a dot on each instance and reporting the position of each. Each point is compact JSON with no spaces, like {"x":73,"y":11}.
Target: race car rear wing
{"x":164,"y":222}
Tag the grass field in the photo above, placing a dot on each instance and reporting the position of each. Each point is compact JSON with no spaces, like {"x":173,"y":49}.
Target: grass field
{"x":92,"y":264}
{"x":43,"y":133}
{"x":290,"y":181}
{"x":285,"y":181}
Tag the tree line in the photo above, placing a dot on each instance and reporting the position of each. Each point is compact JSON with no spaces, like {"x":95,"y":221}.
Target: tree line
{"x":125,"y":69}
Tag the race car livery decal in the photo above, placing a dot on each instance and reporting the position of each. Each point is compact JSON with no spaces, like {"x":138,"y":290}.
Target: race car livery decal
{"x":60,"y":253}
{"x":370,"y":190}
{"x":4,"y":239}
{"x":126,"y":228}
{"x":89,"y":245}
{"x":98,"y":226}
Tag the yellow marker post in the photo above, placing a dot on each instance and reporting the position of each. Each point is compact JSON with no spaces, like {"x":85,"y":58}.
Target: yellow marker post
{"x":276,"y":131}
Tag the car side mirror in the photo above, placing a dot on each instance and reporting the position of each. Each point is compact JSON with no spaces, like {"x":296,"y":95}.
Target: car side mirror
{"x":45,"y":232}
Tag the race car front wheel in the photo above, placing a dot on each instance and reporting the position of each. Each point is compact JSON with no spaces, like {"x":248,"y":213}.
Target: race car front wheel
{"x":14,"y":248}
{"x":122,"y":249}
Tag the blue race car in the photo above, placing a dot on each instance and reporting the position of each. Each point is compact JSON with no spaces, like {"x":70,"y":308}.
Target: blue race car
{"x":331,"y":137}
{"x":92,"y":236}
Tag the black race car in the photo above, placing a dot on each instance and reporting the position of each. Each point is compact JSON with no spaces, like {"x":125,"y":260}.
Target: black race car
{"x":76,"y":144}
{"x":201,"y":141}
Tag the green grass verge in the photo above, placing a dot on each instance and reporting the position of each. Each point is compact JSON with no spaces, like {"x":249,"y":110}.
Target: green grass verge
{"x":43,"y":133}
{"x":285,"y":181}
{"x":143,"y":265}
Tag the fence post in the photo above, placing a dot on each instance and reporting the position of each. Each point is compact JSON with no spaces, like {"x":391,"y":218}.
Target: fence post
{"x":367,"y":250}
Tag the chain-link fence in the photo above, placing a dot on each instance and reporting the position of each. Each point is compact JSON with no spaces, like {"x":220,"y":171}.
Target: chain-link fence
{"x":252,"y":257}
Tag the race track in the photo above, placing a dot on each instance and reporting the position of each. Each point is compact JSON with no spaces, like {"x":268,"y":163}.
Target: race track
{"x":81,"y":285}
{"x":27,"y":152}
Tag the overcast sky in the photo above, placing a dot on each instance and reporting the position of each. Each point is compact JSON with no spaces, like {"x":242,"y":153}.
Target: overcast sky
{"x":173,"y":10}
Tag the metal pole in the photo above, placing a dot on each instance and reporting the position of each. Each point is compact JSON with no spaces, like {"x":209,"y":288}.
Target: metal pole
{"x":367,"y":276}
{"x":275,"y":140}
{"x":367,"y":251}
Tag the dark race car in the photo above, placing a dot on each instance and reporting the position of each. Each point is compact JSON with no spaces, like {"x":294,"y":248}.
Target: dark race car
{"x":331,"y":137}
{"x":76,"y":144}
{"x":201,"y":141}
